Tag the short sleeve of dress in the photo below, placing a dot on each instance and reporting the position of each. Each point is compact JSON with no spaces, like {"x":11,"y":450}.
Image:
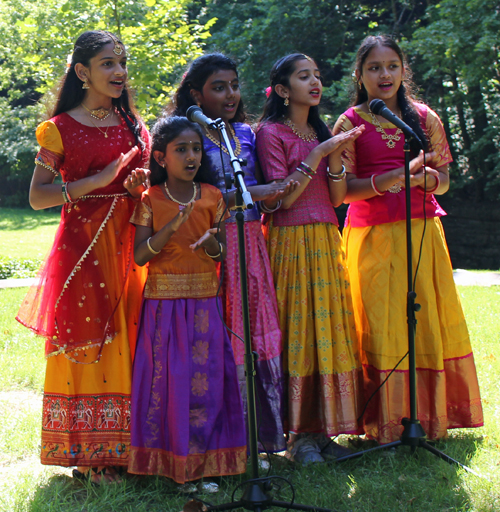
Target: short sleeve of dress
{"x":221,"y":206}
{"x":438,"y":140}
{"x":143,"y":213}
{"x":271,"y":152}
{"x":344,"y":124}
{"x":146,"y":138}
{"x":51,"y":154}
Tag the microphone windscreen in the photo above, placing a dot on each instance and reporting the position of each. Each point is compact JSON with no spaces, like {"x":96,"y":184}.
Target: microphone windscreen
{"x":376,"y":106}
{"x":191,"y":111}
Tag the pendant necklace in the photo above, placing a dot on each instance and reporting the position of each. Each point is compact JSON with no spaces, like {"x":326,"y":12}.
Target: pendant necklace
{"x":100,"y":113}
{"x":391,"y":139}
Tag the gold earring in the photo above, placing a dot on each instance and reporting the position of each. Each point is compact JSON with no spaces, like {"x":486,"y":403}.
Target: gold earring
{"x":86,"y":84}
{"x":286,"y":102}
{"x":360,"y":85}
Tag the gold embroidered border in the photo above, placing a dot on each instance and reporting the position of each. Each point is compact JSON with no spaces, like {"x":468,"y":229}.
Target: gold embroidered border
{"x":185,"y":286}
{"x":154,"y":461}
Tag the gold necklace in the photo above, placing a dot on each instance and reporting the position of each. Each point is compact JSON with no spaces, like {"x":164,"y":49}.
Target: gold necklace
{"x":308,"y":137}
{"x":100,"y":113}
{"x":195,"y":191}
{"x":237,"y":143}
{"x":391,"y":139}
{"x":105,"y":133}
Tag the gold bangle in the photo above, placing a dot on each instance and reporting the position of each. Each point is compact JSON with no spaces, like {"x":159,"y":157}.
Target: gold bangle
{"x":150,"y":248}
{"x":213,"y":256}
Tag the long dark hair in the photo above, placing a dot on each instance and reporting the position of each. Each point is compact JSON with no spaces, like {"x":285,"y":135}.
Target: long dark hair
{"x":70,"y":92}
{"x":165,"y":130}
{"x":275,"y":110}
{"x":195,"y":78}
{"x":406,"y":91}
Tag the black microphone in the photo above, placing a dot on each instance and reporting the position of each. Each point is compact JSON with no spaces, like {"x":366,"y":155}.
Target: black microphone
{"x":196,"y":115}
{"x":379,"y":108}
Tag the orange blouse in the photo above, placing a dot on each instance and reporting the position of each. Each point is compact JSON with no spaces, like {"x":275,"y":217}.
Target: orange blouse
{"x":178,"y":272}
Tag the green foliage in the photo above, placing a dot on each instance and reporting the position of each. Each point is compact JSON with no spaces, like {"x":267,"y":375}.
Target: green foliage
{"x":13,"y":268}
{"x":37,"y":37}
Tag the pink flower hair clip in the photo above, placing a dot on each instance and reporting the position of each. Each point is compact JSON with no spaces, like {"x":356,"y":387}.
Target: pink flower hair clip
{"x":268,"y":91}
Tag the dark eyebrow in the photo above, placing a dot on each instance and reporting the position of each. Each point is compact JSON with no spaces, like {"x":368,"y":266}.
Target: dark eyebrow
{"x":187,"y":143}
{"x":224,"y":81}
{"x":379,"y":61}
{"x":304,"y":70}
{"x":112,"y":58}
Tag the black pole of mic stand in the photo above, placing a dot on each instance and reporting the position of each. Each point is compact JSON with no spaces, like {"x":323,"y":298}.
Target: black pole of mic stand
{"x":413,"y":433}
{"x":255,"y":495}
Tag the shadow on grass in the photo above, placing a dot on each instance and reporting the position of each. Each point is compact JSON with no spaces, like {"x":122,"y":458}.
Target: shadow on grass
{"x":399,"y":481}
{"x":12,"y":219}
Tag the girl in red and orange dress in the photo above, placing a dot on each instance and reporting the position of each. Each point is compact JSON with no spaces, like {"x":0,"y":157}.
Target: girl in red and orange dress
{"x":375,"y":242}
{"x":87,"y":298}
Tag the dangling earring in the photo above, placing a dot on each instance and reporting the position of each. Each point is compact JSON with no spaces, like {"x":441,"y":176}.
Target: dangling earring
{"x":360,"y":85}
{"x":86,"y":84}
{"x":286,"y":102}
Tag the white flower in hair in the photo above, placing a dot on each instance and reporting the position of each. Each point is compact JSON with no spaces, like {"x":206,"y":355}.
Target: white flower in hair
{"x":69,"y":58}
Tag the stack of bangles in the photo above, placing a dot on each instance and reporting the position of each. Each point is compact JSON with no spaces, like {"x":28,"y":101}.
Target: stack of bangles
{"x":65,"y":193}
{"x":306,"y":170}
{"x":337,"y":177}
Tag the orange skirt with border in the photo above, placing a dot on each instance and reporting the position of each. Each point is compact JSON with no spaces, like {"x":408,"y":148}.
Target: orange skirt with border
{"x":86,"y":407}
{"x":447,"y":385}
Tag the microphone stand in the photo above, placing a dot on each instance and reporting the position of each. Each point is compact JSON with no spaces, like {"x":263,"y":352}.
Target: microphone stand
{"x":255,"y":495}
{"x":413,"y":433}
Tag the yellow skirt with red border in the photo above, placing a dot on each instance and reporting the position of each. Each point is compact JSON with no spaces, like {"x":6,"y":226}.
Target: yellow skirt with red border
{"x":320,"y":350}
{"x":447,"y":386}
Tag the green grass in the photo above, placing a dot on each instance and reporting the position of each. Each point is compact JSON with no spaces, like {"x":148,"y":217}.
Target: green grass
{"x":375,"y":482}
{"x":27,"y":234}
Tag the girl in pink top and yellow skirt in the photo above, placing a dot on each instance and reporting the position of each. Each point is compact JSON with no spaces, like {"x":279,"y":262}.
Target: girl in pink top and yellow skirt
{"x":375,"y":244}
{"x":313,"y":292}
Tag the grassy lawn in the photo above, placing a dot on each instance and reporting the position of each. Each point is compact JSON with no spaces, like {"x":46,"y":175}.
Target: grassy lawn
{"x":375,"y":482}
{"x":27,"y":233}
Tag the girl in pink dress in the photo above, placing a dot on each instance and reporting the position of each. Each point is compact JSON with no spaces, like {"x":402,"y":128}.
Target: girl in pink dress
{"x":212,"y":82}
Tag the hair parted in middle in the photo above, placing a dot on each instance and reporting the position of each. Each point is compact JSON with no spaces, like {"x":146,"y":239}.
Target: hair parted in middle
{"x":198,"y":72}
{"x":275,"y":110}
{"x":406,"y":92}
{"x":164,"y":131}
{"x":70,"y":93}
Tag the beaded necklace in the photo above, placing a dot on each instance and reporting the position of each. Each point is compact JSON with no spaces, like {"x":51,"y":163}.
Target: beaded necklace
{"x":237,"y":143}
{"x":195,"y":190}
{"x":308,"y":137}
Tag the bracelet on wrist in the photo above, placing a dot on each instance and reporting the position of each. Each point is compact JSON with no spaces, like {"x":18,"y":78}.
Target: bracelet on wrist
{"x":374,"y":187}
{"x":213,"y":256}
{"x":339,"y":176}
{"x":265,"y":209}
{"x":65,"y":193}
{"x":148,"y":243}
{"x":431,"y":190}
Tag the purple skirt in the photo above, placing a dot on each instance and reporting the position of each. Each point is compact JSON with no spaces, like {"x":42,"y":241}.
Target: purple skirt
{"x":187,"y":417}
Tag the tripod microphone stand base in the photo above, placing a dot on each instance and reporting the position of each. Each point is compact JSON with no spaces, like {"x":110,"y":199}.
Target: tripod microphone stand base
{"x":413,"y":436}
{"x":255,"y":498}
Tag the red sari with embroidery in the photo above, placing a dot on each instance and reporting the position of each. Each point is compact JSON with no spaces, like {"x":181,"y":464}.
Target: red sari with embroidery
{"x":86,"y":300}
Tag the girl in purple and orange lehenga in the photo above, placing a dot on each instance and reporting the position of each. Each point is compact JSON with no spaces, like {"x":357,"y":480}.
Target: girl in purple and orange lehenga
{"x":187,"y":416}
{"x":375,"y":242}
{"x":86,"y":302}
{"x":212,"y":82}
